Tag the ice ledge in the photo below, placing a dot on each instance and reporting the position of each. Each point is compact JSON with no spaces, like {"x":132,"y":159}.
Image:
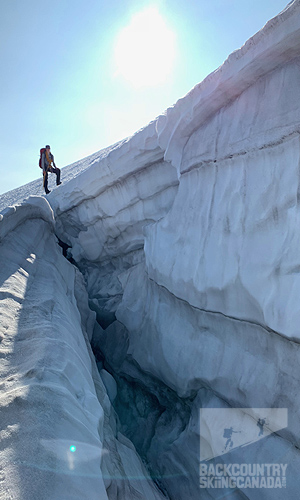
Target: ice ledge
{"x":128,"y":158}
{"x":34,"y":207}
{"x":276,"y":43}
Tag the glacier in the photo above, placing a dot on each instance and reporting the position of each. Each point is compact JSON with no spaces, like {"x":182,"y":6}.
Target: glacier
{"x":179,"y":293}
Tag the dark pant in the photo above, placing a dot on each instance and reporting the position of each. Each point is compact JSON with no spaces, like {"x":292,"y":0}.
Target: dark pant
{"x":54,"y":170}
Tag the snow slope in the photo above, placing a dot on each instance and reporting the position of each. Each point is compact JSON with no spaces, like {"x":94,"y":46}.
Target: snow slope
{"x":35,"y":188}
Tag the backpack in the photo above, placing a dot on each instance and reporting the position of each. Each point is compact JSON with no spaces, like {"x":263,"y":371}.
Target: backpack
{"x":43,"y":150}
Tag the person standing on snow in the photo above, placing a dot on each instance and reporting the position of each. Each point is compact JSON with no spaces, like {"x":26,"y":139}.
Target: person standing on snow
{"x":47,"y":160}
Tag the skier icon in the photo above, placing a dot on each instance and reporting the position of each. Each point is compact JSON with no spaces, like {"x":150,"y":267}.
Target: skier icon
{"x":260,"y":423}
{"x":228,"y":435}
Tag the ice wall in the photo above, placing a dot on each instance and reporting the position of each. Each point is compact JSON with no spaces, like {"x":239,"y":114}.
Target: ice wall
{"x":59,"y":436}
{"x":189,"y":244}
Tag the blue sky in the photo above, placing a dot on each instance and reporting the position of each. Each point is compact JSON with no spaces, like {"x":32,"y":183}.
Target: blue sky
{"x":79,"y":74}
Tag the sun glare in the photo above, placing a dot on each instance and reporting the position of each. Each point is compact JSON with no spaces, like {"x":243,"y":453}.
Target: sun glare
{"x":145,"y":49}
